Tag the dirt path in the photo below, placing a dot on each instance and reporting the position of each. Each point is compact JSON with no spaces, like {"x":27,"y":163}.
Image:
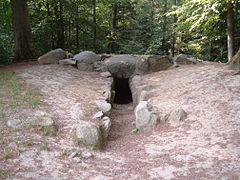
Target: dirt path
{"x":122,"y":124}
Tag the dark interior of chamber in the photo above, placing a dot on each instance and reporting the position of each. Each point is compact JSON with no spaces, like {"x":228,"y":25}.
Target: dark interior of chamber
{"x":123,"y":93}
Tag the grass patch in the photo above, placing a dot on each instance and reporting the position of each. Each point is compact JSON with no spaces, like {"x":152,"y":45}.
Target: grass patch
{"x":7,"y":154}
{"x":135,"y":130}
{"x":46,"y":130}
{"x":45,"y":147}
{"x":13,"y":94}
{"x":3,"y":174}
{"x":28,"y":143}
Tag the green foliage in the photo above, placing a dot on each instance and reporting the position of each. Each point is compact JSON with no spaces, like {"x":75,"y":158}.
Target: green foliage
{"x":202,"y":26}
{"x":7,"y":155}
{"x":3,"y":174}
{"x":135,"y":130}
{"x":45,"y":147}
{"x":13,"y":96}
{"x":196,"y":27}
{"x":6,"y":35}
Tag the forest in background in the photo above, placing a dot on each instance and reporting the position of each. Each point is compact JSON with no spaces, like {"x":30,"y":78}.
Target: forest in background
{"x":207,"y":29}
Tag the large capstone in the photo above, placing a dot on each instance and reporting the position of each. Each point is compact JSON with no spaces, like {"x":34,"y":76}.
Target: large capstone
{"x":121,"y":66}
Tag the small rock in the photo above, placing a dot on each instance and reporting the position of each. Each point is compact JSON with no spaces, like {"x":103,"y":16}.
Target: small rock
{"x":77,"y":159}
{"x":145,"y":116}
{"x":87,"y":155}
{"x":106,"y":125}
{"x":143,"y":96}
{"x":14,"y":123}
{"x":74,"y":154}
{"x":67,"y":62}
{"x":103,"y":106}
{"x":106,"y":74}
{"x":89,"y":135}
{"x":98,"y":115}
{"x":107,"y":95}
{"x":45,"y":121}
{"x":177,"y":116}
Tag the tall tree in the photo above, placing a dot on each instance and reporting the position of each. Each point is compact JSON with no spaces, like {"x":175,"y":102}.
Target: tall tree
{"x":174,"y":33}
{"x":164,"y":27}
{"x":22,"y":30}
{"x":114,"y":26}
{"x":60,"y":24}
{"x":230,"y":30}
{"x":94,"y":24}
{"x":204,"y":25}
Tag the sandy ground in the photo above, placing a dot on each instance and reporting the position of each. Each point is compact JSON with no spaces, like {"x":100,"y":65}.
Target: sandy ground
{"x":205,"y":146}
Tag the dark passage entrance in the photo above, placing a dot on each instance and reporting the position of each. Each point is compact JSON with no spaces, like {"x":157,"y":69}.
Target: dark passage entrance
{"x":123,"y":93}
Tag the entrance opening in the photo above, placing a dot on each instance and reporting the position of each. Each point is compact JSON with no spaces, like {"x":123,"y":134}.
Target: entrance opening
{"x":123,"y":93}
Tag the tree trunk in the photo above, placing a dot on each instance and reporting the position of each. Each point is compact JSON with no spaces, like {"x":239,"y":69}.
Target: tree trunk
{"x":50,"y":22}
{"x":174,"y":33}
{"x":230,"y":31}
{"x":114,"y":27}
{"x":22,"y":30}
{"x":94,"y":25}
{"x":77,"y":26}
{"x":60,"y":25}
{"x":164,"y":27}
{"x":234,"y":64}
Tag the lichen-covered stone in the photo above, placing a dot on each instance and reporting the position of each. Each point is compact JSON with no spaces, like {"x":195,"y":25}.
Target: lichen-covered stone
{"x":146,"y":118}
{"x":86,"y":59}
{"x":53,"y":57}
{"x":89,"y":134}
{"x":183,"y":59}
{"x":121,"y":66}
{"x":69,"y":61}
{"x":103,"y":106}
{"x":106,"y":125}
{"x":177,"y":116}
{"x":14,"y":123}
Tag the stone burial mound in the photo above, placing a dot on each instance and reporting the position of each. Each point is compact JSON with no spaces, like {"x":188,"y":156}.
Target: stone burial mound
{"x":122,"y":76}
{"x":140,"y":111}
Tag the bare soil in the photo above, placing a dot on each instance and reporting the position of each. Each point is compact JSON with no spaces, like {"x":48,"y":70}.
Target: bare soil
{"x":205,"y":146}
